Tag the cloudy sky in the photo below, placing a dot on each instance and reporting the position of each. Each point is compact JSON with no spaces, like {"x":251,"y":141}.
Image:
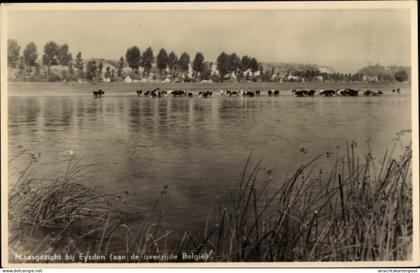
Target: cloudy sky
{"x":343,"y":39}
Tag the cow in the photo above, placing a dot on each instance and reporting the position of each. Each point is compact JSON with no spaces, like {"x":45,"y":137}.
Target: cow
{"x":205,"y":94}
{"x":179,"y":93}
{"x":257,"y":92}
{"x":139,"y":93}
{"x":349,"y":92}
{"x":190,"y":94}
{"x":300,"y":93}
{"x":98,"y":94}
{"x":327,"y":93}
{"x":368,"y":92}
{"x":249,"y":94}
{"x":378,"y":93}
{"x":311,"y":93}
{"x":233,"y":93}
{"x":276,"y":93}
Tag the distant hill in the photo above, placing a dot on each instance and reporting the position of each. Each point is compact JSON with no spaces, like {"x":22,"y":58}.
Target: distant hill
{"x":381,"y":71}
{"x":283,"y":68}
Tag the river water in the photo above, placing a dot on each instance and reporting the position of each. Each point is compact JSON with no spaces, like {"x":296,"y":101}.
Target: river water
{"x":196,"y":146}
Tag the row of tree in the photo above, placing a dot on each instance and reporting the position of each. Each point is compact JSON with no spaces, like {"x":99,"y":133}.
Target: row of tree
{"x":227,"y":65}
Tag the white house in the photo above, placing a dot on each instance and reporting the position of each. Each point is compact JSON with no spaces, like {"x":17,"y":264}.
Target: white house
{"x":370,"y":78}
{"x":293,"y":78}
{"x":128,"y":79}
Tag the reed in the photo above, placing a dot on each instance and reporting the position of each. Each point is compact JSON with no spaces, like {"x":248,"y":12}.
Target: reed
{"x":360,"y":211}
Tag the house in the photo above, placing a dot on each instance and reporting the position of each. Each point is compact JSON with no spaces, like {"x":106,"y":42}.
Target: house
{"x":293,"y":78}
{"x":105,"y":79}
{"x":206,"y":81}
{"x":128,"y":79}
{"x":213,"y":70}
{"x":319,"y":78}
{"x":370,"y":78}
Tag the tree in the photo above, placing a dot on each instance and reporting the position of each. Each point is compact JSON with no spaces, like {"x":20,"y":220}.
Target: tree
{"x":198,"y":63}
{"x":91,"y":70}
{"x":113,"y":74}
{"x":79,"y":64}
{"x":223,"y":65}
{"x":120,"y":67}
{"x":253,"y":65}
{"x":401,"y":75}
{"x":162,"y":60}
{"x":147,"y":60}
{"x":100,"y":67}
{"x":172,"y":61}
{"x":63,"y":55}
{"x":108,"y":72}
{"x":184,"y":62}
{"x":245,"y":63}
{"x":30,"y":55}
{"x":133,"y":58}
{"x":235,"y":62}
{"x":13,"y":50}
{"x":71,"y":70}
{"x":79,"y":61}
{"x":205,"y":72}
{"x":50,"y":56}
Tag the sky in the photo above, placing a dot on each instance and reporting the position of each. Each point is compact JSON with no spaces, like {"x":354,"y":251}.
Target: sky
{"x":345,"y":40}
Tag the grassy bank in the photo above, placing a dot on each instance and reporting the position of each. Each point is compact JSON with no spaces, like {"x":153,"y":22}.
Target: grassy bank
{"x":39,"y":88}
{"x":359,"y":209}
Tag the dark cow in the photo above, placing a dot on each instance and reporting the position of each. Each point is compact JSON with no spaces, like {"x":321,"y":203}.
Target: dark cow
{"x":205,"y":94}
{"x":179,"y":93}
{"x":190,"y":94}
{"x":249,"y":94}
{"x":232,"y":93}
{"x":327,"y":93}
{"x":270,"y":93}
{"x":139,"y":93}
{"x":300,"y":93}
{"x":311,"y":93}
{"x":98,"y":94}
{"x":368,"y":93}
{"x":276,"y":93}
{"x":378,"y":93}
{"x":257,"y":92}
{"x":349,"y":92}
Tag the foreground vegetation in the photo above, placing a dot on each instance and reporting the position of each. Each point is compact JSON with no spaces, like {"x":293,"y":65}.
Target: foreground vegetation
{"x":358,"y":210}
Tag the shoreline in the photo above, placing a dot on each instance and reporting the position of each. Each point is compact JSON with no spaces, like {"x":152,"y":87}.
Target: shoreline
{"x":74,"y":88}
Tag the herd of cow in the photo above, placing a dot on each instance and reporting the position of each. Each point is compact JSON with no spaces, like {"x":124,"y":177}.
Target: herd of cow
{"x":252,"y":93}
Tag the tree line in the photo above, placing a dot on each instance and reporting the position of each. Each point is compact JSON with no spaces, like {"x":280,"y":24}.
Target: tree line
{"x":227,"y":67}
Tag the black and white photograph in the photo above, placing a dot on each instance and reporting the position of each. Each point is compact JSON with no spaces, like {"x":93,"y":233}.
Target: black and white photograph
{"x":210,"y":134}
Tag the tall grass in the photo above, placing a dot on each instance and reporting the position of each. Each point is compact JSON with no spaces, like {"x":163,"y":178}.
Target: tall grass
{"x":360,"y":210}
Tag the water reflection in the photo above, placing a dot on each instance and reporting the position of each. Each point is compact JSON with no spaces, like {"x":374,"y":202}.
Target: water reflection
{"x":196,"y":146}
